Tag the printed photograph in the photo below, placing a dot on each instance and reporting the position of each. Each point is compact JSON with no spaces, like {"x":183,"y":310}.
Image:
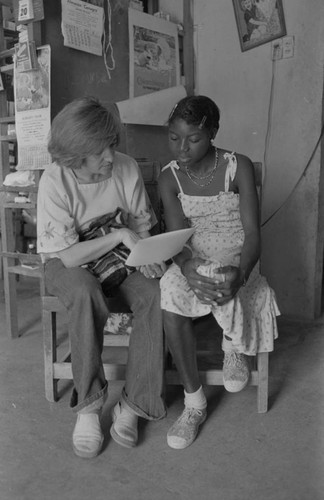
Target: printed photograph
{"x":259,"y":22}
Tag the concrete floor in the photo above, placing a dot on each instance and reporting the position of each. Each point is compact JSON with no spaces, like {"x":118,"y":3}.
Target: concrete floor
{"x":239,"y":454}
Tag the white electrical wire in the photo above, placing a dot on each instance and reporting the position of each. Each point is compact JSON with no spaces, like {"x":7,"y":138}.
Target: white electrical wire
{"x":303,"y":174}
{"x":108,"y":50}
{"x":269,"y":126}
{"x":267,"y":142}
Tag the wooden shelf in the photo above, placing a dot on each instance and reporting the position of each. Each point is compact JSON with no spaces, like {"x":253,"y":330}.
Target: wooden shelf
{"x":7,"y":53}
{"x":19,"y":189}
{"x":25,"y":271}
{"x":7,"y":119}
{"x":12,"y":204}
{"x":24,"y":258}
{"x":13,"y":263}
{"x":8,"y":68}
{"x":31,"y":257}
{"x":8,"y":3}
{"x":8,"y":138}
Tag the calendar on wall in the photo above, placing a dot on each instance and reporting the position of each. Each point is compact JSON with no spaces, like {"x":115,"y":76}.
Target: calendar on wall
{"x":33,"y":112}
{"x":82,"y":26}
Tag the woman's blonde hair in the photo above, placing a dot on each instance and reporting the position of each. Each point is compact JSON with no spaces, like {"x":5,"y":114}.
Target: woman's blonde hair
{"x":84,"y":127}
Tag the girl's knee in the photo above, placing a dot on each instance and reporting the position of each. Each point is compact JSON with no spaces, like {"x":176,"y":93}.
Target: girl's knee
{"x":175,"y":321}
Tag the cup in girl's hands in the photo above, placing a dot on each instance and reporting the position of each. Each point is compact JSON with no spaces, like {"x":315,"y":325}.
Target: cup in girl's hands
{"x":212,"y":270}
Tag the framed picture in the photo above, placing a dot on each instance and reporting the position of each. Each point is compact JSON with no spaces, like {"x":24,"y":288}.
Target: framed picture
{"x":259,"y":22}
{"x":153,"y":54}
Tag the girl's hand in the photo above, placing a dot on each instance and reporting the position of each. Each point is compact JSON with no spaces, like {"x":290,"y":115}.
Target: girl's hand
{"x":152,"y":271}
{"x":202,"y":286}
{"x":230,"y":286}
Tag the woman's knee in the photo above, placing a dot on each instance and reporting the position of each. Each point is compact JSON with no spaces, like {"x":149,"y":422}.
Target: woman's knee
{"x":74,"y":282}
{"x":142,"y":290}
{"x":149,"y":286}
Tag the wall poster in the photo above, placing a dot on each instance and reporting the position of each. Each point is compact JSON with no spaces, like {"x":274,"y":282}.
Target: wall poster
{"x":33,"y":112}
{"x":153,"y":54}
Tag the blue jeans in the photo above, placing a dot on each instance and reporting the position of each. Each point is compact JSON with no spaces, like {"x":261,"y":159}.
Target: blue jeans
{"x":87,"y":308}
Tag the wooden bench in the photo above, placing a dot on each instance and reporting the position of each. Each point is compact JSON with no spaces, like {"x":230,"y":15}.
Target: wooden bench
{"x":57,"y":369}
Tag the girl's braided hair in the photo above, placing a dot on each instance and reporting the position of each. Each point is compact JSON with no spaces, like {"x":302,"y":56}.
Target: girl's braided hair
{"x":197,"y":110}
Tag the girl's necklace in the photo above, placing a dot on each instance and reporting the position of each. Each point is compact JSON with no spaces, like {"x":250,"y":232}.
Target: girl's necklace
{"x":210,"y":174}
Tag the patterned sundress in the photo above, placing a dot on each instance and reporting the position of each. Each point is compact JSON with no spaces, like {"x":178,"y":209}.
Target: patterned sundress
{"x":249,"y":319}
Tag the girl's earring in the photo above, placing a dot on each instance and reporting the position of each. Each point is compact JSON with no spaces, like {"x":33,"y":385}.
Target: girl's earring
{"x":213,"y":137}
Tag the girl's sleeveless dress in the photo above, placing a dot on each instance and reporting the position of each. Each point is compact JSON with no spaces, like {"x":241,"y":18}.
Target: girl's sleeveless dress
{"x":249,"y":319}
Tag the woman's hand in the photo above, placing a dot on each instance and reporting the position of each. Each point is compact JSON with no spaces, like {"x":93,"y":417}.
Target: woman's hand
{"x":128,"y":237}
{"x":153,"y":270}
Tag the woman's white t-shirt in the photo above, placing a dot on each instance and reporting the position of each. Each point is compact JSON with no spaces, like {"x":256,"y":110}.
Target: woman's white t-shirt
{"x":65,"y":206}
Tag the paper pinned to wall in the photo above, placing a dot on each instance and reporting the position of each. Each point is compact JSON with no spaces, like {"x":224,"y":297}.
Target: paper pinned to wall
{"x":150,"y":109}
{"x":82,"y":26}
{"x":153,"y":54}
{"x":33,"y":112}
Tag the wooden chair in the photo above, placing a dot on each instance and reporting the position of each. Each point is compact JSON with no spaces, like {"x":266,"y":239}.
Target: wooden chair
{"x":61,"y":369}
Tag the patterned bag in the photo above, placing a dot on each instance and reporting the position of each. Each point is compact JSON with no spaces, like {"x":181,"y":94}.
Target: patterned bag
{"x":110,"y":268}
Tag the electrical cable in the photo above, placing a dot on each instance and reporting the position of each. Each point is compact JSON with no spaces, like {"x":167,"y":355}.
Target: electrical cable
{"x":269,"y":124}
{"x":267,"y":142}
{"x":300,"y":178}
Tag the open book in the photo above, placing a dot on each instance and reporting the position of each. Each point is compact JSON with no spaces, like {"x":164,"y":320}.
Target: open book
{"x":159,"y":248}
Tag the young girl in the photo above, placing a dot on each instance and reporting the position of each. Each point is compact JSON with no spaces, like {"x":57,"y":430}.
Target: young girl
{"x":214,"y":191}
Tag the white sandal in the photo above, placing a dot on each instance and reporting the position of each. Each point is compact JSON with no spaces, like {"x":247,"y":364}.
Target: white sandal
{"x":124,"y":427}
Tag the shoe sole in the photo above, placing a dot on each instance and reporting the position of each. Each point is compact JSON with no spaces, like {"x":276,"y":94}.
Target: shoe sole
{"x":119,"y":440}
{"x":235,"y":388}
{"x":183,"y":446}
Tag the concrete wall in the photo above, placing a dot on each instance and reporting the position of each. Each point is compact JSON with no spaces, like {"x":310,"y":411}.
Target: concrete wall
{"x":240,"y":83}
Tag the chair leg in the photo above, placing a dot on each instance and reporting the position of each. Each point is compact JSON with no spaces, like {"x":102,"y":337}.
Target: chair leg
{"x":263,"y":375}
{"x":10,"y":292}
{"x":49,"y":334}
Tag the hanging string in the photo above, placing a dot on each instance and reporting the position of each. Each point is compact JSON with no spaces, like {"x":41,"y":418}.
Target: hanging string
{"x":108,"y":50}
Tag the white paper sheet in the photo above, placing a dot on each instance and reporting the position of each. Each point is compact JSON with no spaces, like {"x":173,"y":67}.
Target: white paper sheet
{"x":151,"y":109}
{"x":159,"y":248}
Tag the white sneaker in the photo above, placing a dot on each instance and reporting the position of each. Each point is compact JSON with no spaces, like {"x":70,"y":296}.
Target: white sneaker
{"x":236,"y":371}
{"x":184,"y":431}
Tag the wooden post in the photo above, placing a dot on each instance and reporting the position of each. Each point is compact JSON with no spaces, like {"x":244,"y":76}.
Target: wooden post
{"x":188,"y":49}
